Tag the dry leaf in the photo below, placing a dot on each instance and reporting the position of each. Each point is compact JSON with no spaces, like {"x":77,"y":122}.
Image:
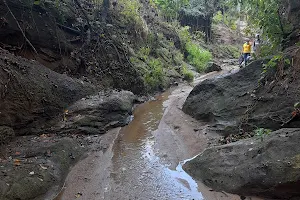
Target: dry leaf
{"x":17,"y":162}
{"x":78,"y":195}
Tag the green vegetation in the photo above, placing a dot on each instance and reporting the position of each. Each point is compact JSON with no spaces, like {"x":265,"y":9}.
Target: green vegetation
{"x":154,"y":77}
{"x":130,"y":11}
{"x":277,"y":60}
{"x":262,"y":132}
{"x":228,"y":19}
{"x":197,"y":56}
{"x":170,"y":8}
{"x":187,"y":74}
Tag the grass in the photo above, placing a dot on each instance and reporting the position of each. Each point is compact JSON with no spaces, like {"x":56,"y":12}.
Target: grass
{"x":198,"y":57}
{"x":187,"y":74}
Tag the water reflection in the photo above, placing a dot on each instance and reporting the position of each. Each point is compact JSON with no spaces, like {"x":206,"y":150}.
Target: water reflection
{"x":136,"y":166}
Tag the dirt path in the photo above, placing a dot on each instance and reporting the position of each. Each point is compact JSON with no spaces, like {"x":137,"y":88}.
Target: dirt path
{"x":142,"y":162}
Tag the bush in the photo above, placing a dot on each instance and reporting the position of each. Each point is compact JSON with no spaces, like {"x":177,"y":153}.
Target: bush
{"x":154,"y":75}
{"x":187,"y":74}
{"x":143,"y":53}
{"x":130,"y":11}
{"x":198,"y":56}
{"x":184,"y":35}
{"x":218,"y":17}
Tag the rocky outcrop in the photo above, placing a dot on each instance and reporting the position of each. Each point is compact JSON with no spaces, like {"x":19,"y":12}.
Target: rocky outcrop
{"x":211,"y":67}
{"x":253,"y":167}
{"x":34,"y":167}
{"x":32,"y":94}
{"x":97,"y":114}
{"x":224,"y":100}
{"x":245,"y":100}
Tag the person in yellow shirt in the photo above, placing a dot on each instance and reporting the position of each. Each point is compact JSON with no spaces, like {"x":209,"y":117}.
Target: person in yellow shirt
{"x":246,"y":51}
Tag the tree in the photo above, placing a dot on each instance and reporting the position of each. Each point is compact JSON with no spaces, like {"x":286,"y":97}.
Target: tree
{"x":198,"y":14}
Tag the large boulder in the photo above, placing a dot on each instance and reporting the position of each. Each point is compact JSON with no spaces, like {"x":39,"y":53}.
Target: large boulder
{"x":211,"y":67}
{"x":98,"y":113}
{"x":225,"y":98}
{"x":31,"y":94}
{"x":35,"y":167}
{"x":268,"y":168}
{"x":245,"y":100}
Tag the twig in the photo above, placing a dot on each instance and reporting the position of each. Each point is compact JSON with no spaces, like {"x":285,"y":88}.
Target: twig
{"x":20,"y":27}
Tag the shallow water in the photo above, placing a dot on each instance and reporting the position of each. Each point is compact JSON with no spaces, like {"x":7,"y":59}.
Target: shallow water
{"x":135,"y":156}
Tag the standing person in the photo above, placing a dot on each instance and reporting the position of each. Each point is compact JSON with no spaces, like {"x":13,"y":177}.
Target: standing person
{"x":246,"y":51}
{"x":256,"y":44}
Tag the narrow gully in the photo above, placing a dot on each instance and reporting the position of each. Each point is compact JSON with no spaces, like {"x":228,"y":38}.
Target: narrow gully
{"x":136,"y":165}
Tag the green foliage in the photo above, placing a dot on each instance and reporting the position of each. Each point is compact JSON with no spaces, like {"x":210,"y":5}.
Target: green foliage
{"x":262,"y":132}
{"x":154,"y":75}
{"x":130,"y":11}
{"x":197,"y":56}
{"x":143,"y":53}
{"x":170,"y":8}
{"x":198,"y":36}
{"x":178,"y":57}
{"x":218,"y":18}
{"x":274,"y":62}
{"x":187,"y":74}
{"x":184,"y":35}
{"x":266,"y":15}
{"x":228,"y":19}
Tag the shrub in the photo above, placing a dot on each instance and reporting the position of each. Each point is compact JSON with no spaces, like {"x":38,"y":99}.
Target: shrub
{"x":143,"y":53}
{"x":218,"y":17}
{"x":130,"y":11}
{"x":262,"y":132}
{"x":187,"y":74}
{"x":154,"y":75}
{"x":197,"y":56}
{"x":184,"y":35}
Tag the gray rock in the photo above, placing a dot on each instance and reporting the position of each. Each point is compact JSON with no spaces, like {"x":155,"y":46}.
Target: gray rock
{"x":34,"y":94}
{"x":211,"y":67}
{"x":99,"y":113}
{"x":16,"y":182}
{"x":243,"y":100}
{"x":293,"y":11}
{"x":224,"y":100}
{"x":269,"y":168}
{"x":6,"y":134}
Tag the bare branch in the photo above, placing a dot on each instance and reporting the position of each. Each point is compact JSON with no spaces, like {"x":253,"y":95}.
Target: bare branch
{"x":20,"y":27}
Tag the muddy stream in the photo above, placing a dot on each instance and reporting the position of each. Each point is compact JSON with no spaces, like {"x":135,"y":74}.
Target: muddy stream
{"x":145,"y":158}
